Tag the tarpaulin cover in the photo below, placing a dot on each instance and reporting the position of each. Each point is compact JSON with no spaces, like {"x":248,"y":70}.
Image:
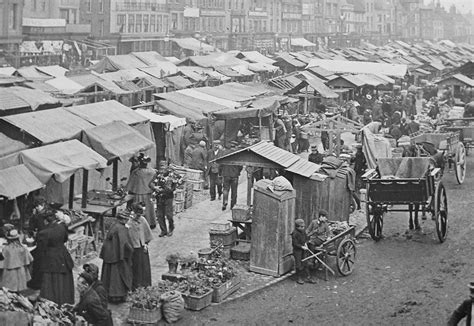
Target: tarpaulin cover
{"x":61,"y":160}
{"x":34,"y":97}
{"x":185,"y":103}
{"x":206,"y":97}
{"x":49,"y":126}
{"x":116,"y":140}
{"x":16,"y":181}
{"x":9,"y":146}
{"x":404,"y":167}
{"x":170,"y":121}
{"x":251,"y":112}
{"x":107,"y":111}
{"x":374,"y":147}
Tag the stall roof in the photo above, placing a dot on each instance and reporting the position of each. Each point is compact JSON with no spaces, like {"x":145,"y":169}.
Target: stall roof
{"x":151,"y":58}
{"x":61,"y":160}
{"x":178,"y":82}
{"x":30,"y":72}
{"x":318,"y":86}
{"x":9,"y":146}
{"x":260,"y":66}
{"x":64,"y":85}
{"x":210,"y":98}
{"x":171,"y":121}
{"x":242,"y":89}
{"x":9,"y":101}
{"x":16,"y":181}
{"x":107,"y":111}
{"x":193,"y":44}
{"x":360,"y":67}
{"x":87,"y":80}
{"x":165,"y":68}
{"x":178,"y":110}
{"x":226,"y":93}
{"x":464,"y":79}
{"x":42,"y":86}
{"x":33,"y":97}
{"x":300,"y":41}
{"x":53,"y":71}
{"x":255,"y":57}
{"x":123,"y":74}
{"x":278,"y":156}
{"x":49,"y":126}
{"x":116,"y":139}
{"x":213,"y":60}
{"x":118,"y":62}
{"x":7,"y":71}
{"x":291,"y":60}
{"x":422,"y":71}
{"x":260,"y":109}
{"x":192,"y":74}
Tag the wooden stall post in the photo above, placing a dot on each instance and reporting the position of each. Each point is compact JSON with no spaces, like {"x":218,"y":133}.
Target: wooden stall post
{"x":115,"y":174}
{"x":85,"y":181}
{"x":305,"y":110}
{"x":331,"y":134}
{"x":250,"y":171}
{"x":211,"y":131}
{"x":71,"y":192}
{"x":338,"y":142}
{"x":270,"y":127}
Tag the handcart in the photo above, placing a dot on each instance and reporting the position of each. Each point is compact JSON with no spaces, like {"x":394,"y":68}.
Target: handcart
{"x":402,"y":182}
{"x":341,"y":246}
{"x":447,"y":142}
{"x":465,"y":128}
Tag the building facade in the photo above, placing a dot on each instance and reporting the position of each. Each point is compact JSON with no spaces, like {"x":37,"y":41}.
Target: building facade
{"x":11,"y":14}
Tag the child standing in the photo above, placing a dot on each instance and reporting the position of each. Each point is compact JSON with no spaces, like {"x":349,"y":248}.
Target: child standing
{"x":318,"y":230}
{"x":299,"y":240}
{"x":16,"y":260}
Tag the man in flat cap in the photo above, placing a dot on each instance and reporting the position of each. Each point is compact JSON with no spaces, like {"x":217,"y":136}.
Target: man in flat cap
{"x":315,"y":156}
{"x":215,"y":180}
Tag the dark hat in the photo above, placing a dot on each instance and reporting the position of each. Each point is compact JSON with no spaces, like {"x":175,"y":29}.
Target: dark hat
{"x":92,"y":269}
{"x":39,"y":200}
{"x":299,"y":222}
{"x":55,"y":205}
{"x":88,"y":277}
{"x":358,"y":145}
{"x":323,"y":212}
{"x":123,"y":215}
{"x":314,"y":147}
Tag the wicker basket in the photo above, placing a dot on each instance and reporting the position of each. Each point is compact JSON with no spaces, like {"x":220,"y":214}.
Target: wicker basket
{"x":144,"y":316}
{"x":196,"y":303}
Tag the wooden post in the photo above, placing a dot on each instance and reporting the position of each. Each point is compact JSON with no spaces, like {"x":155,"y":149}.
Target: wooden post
{"x":338,"y":142}
{"x":85,"y":181}
{"x":225,"y":133}
{"x":305,"y":110}
{"x":259,"y":127}
{"x":210,"y":124}
{"x":115,"y":174}
{"x":250,"y":170}
{"x":71,"y":192}
{"x":331,"y":134}
{"x":270,"y":127}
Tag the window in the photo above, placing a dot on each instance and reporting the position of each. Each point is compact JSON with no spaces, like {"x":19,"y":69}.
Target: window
{"x":131,"y":23}
{"x":73,"y":16}
{"x":88,"y":5}
{"x":138,"y":26}
{"x":101,"y":6}
{"x":43,"y":5}
{"x":34,"y":5}
{"x":159,"y":24}
{"x":64,"y":14}
{"x":145,"y":23}
{"x":101,"y":28}
{"x":13,"y":17}
{"x":152,"y":23}
{"x":166,"y":24}
{"x":121,"y":22}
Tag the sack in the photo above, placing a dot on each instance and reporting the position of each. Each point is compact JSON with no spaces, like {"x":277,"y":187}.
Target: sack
{"x":280,"y":183}
{"x":172,"y":305}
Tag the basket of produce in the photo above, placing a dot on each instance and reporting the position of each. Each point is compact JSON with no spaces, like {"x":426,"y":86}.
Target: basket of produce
{"x":145,"y":305}
{"x":197,"y":294}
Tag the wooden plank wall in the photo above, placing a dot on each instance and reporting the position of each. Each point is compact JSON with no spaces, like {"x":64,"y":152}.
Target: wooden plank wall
{"x":330,"y":194}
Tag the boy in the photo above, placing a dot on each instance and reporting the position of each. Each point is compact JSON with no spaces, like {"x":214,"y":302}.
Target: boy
{"x":318,"y":230}
{"x":299,"y":240}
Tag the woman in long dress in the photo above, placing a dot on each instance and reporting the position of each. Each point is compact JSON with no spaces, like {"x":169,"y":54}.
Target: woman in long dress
{"x":116,"y":254}
{"x":56,"y":264}
{"x":140,"y":233}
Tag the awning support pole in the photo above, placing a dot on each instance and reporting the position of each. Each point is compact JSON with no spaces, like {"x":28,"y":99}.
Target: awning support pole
{"x":71,"y":192}
{"x":85,"y":181}
{"x":115,"y":174}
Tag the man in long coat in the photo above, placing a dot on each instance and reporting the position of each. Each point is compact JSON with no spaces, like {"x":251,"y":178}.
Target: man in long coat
{"x":116,"y":254}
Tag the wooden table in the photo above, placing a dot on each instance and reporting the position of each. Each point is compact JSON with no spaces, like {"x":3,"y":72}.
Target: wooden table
{"x":99,"y":211}
{"x":89,"y":229}
{"x":245,"y":227}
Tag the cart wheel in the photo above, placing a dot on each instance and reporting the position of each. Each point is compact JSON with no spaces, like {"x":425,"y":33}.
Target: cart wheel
{"x":441,"y":212}
{"x":374,"y":221}
{"x":460,"y":161}
{"x":345,"y":256}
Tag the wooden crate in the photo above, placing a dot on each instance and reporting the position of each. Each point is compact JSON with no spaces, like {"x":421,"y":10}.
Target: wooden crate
{"x":241,"y":251}
{"x":179,"y":194}
{"x":228,"y":237}
{"x":220,"y":226}
{"x":222,"y":292}
{"x":197,"y":303}
{"x":178,"y":206}
{"x":188,"y":194}
{"x":192,"y":174}
{"x":198,"y":185}
{"x":241,"y":213}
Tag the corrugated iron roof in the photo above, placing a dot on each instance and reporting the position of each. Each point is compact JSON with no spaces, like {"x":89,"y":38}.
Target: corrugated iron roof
{"x":49,"y":126}
{"x":16,"y":181}
{"x":107,"y":111}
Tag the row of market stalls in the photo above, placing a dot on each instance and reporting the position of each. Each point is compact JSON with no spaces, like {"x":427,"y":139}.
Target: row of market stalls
{"x":58,"y":147}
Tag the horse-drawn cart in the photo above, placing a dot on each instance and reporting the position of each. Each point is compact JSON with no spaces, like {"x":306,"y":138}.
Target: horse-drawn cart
{"x":406,"y":181}
{"x":465,"y":128}
{"x":448,"y":143}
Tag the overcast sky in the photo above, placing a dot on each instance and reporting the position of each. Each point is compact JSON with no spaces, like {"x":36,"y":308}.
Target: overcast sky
{"x":464,"y":6}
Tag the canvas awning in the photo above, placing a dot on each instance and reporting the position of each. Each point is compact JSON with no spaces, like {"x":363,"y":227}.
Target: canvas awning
{"x":49,"y":126}
{"x":9,"y":146}
{"x":100,"y":113}
{"x":193,"y":44}
{"x":61,"y":160}
{"x":299,"y":41}
{"x":17,"y":181}
{"x":171,"y":121}
{"x":116,"y":140}
{"x":244,"y":112}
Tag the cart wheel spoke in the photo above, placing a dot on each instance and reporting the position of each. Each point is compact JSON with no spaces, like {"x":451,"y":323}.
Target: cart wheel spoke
{"x":441,"y":212}
{"x":460,"y":159}
{"x":345,"y":256}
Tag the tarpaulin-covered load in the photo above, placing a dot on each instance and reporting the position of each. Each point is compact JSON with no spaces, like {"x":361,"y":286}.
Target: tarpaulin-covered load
{"x":116,"y":140}
{"x":403,"y":167}
{"x":48,"y":126}
{"x":375,"y":146}
{"x":17,"y":181}
{"x":61,"y":160}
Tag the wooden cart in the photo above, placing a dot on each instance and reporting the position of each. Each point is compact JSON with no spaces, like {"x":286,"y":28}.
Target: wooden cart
{"x":385,"y":195}
{"x":448,"y":142}
{"x":465,"y":128}
{"x":341,"y":246}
